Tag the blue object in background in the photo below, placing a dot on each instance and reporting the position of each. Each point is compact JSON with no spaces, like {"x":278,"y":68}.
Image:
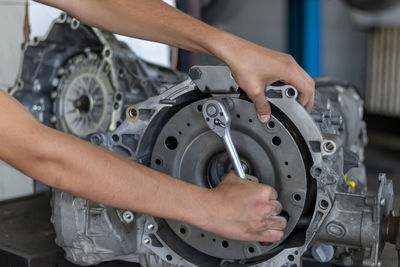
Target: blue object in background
{"x":305,"y":34}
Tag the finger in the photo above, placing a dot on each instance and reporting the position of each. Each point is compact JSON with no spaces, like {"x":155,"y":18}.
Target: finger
{"x":271,"y":236}
{"x":271,"y":192}
{"x":252,"y":178}
{"x":273,"y":223}
{"x":306,"y":76}
{"x":310,"y":104}
{"x":261,"y":104}
{"x":276,"y":207}
{"x":303,"y":85}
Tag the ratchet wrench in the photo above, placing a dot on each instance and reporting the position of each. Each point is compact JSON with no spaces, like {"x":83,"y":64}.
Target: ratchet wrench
{"x":218,"y":119}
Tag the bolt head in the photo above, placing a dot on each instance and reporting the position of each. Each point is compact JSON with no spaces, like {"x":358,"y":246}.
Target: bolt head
{"x":211,"y":110}
{"x":128,"y":216}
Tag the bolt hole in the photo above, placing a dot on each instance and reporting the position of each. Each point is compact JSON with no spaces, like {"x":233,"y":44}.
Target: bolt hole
{"x":95,"y":139}
{"x":158,"y":162}
{"x":107,"y":53}
{"x":291,"y":257}
{"x":289,"y":176}
{"x":182,"y":230}
{"x":238,"y":116}
{"x":179,"y":132}
{"x":199,"y":108}
{"x":225,"y":244}
{"x":213,"y":240}
{"x":276,"y":140}
{"x":286,"y":163}
{"x":221,"y":114}
{"x":115,"y":138}
{"x":169,"y":257}
{"x":324,"y":204}
{"x":271,"y":125}
{"x":251,"y":250}
{"x":297,"y":197}
{"x":171,"y":143}
{"x":317,"y":172}
{"x":132,"y":113}
{"x":207,"y":119}
{"x":296,"y":253}
{"x":188,"y":124}
{"x":116,"y":106}
{"x":329,"y":146}
{"x":290,"y":92}
{"x":202,"y":235}
{"x":250,"y":120}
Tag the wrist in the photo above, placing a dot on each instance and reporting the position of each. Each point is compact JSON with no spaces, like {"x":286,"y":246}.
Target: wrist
{"x":202,"y":214}
{"x":226,"y":47}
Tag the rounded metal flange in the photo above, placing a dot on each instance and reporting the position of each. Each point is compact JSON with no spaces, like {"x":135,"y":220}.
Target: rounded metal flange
{"x":187,"y":149}
{"x":84,"y":102}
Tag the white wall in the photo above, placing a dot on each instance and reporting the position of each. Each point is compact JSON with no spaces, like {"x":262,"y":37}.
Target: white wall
{"x":12,"y":183}
{"x":41,"y":16}
{"x":11,"y":32}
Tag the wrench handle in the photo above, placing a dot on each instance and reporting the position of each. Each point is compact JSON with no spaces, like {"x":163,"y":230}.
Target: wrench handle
{"x":233,"y":155}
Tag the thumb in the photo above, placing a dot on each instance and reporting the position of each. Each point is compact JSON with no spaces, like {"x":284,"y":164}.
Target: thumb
{"x":262,"y":106}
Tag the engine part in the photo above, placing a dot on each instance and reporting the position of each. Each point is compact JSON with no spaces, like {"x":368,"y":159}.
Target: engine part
{"x":314,"y":162}
{"x":80,"y":79}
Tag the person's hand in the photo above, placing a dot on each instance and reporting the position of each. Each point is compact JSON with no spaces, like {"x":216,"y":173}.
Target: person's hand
{"x":255,"y":67}
{"x":244,"y":210}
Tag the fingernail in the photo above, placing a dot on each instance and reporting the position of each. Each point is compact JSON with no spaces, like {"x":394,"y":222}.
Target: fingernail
{"x":264,"y":118}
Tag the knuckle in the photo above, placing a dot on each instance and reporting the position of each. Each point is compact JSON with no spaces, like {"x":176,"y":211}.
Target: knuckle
{"x":254,"y":93}
{"x":282,"y":223}
{"x":265,"y":191}
{"x":268,"y":208}
{"x":289,"y":61}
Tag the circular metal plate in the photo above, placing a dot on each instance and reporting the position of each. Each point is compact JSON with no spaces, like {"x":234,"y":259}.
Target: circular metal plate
{"x":84,"y":105}
{"x":186,"y":147}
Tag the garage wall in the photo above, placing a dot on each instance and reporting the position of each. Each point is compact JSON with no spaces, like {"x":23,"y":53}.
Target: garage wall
{"x":343,"y":45}
{"x":11,"y":31}
{"x":12,"y":183}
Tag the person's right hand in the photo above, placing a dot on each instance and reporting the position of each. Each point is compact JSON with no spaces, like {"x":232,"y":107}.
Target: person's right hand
{"x":244,"y":210}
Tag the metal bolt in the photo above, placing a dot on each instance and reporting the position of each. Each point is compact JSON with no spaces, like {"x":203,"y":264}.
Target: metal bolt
{"x":53,"y":119}
{"x":128,"y":216}
{"x":329,"y":147}
{"x":382,"y":201}
{"x":146,"y":241}
{"x":211,"y":110}
{"x":132,"y":113}
{"x":150,"y":227}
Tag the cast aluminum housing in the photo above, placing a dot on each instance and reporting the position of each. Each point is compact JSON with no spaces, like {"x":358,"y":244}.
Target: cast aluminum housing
{"x":315,"y":161}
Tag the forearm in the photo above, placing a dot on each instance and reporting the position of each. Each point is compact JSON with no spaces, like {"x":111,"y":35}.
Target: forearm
{"x":91,"y":172}
{"x":94,"y":173}
{"x":150,"y":20}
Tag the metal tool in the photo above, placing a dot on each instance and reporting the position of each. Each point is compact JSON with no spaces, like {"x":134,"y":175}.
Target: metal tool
{"x":218,"y":120}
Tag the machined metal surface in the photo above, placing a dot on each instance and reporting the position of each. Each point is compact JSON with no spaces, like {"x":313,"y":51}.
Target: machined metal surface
{"x":270,"y":153}
{"x":314,"y":161}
